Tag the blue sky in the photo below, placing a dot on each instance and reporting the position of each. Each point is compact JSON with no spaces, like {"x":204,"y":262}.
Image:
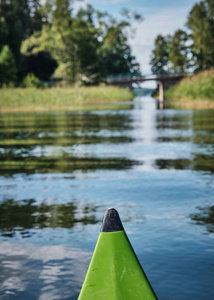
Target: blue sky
{"x":160,"y":17}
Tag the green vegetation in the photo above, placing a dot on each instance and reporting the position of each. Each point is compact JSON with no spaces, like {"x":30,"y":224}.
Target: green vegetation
{"x":59,"y":98}
{"x":54,"y":41}
{"x":189,"y":51}
{"x":160,"y":56}
{"x":7,"y":66}
{"x":194,"y":91}
{"x":186,"y":52}
{"x":31,"y":81}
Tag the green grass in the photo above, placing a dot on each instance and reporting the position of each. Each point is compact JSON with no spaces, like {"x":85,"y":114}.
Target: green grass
{"x":59,"y":98}
{"x":195,"y":91}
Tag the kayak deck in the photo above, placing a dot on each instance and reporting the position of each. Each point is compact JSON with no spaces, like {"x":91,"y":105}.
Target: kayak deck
{"x":114,"y":271}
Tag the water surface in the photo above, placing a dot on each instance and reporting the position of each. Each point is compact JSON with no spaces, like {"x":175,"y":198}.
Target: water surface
{"x":59,"y":172}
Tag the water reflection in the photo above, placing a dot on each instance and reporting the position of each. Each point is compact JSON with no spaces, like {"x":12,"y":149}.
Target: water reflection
{"x":41,"y":271}
{"x":205,"y":216}
{"x":60,"y":171}
{"x":177,"y":164}
{"x":57,"y":143}
{"x":21,"y":135}
{"x":62,"y":164}
{"x":31,"y":143}
{"x":22,"y":215}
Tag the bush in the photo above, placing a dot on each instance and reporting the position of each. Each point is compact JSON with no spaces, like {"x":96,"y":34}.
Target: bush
{"x":31,"y":81}
{"x":7,"y":66}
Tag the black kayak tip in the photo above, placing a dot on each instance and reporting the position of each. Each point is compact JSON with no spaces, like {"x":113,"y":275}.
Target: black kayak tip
{"x":111,"y":221}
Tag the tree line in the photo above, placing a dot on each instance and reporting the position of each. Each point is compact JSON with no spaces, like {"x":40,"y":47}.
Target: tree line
{"x":187,"y":51}
{"x":53,"y":41}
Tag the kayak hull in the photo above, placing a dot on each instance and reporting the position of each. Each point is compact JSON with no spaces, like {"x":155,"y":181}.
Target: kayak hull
{"x":115,"y":272}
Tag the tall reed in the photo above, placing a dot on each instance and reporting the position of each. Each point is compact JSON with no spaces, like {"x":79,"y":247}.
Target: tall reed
{"x":195,"y":89}
{"x":59,"y":98}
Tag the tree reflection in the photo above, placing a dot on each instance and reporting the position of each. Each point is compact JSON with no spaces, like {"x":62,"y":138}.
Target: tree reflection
{"x":43,"y":143}
{"x":22,"y":135}
{"x":203,"y":162}
{"x":63,"y":164}
{"x":177,"y":164}
{"x":205,"y":216}
{"x":22,"y":215}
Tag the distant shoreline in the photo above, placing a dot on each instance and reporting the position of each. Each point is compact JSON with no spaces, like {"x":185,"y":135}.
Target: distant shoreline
{"x":60,"y":98}
{"x":192,"y":104}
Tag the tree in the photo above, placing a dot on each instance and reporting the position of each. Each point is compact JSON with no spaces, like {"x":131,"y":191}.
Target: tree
{"x":18,"y":20}
{"x":85,"y":37}
{"x":81,"y":48}
{"x":178,"y":52}
{"x":193,"y":50}
{"x":116,"y":53}
{"x":201,"y":23}
{"x":7,"y":66}
{"x":71,"y":41}
{"x":160,"y":55}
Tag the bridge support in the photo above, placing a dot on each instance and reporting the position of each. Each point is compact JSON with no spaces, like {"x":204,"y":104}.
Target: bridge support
{"x":161,"y":91}
{"x":165,"y":82}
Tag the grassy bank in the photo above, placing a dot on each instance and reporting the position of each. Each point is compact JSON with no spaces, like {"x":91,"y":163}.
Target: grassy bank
{"x":196,"y":91}
{"x":58,"y":98}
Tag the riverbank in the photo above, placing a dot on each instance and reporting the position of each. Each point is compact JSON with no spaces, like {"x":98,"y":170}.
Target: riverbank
{"x":195,"y":92}
{"x":59,"y":98}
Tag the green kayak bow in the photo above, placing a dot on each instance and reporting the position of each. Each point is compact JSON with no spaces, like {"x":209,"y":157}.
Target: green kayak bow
{"x":114,"y":272}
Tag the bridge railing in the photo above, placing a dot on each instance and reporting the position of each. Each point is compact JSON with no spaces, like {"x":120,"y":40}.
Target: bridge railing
{"x":122,"y":76}
{"x":130,"y":77}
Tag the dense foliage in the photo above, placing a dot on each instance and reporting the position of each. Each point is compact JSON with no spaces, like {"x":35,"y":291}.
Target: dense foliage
{"x":53,"y":41}
{"x":188,"y":51}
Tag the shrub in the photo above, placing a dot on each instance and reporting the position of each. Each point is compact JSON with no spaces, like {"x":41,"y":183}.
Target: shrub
{"x":7,"y":66}
{"x":31,"y":81}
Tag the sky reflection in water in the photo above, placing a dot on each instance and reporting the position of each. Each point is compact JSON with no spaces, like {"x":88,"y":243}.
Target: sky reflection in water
{"x":59,"y":172}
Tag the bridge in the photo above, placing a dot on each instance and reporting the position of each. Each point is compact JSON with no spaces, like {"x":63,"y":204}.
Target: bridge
{"x":165,"y":81}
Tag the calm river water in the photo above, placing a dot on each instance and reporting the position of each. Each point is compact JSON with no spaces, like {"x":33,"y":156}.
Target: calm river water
{"x":59,"y":172}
